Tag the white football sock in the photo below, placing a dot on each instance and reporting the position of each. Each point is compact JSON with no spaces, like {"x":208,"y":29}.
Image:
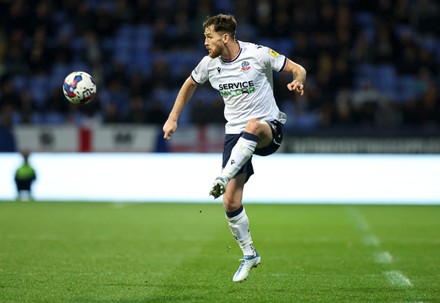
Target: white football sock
{"x":240,"y":154}
{"x":239,"y":226}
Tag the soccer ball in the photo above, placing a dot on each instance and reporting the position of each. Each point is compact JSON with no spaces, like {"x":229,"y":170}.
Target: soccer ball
{"x":79,"y":87}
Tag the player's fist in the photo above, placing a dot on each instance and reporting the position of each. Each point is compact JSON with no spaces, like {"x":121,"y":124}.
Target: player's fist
{"x":169,"y":128}
{"x":296,"y":86}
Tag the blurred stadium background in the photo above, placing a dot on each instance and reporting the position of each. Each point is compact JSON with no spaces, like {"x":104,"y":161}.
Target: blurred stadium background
{"x":373,"y":66}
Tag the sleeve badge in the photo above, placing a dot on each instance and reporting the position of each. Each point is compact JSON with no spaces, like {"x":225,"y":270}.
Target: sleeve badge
{"x":273,"y":53}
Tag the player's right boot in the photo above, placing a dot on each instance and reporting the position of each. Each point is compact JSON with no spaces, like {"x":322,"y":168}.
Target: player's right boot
{"x":247,"y":263}
{"x":218,"y":187}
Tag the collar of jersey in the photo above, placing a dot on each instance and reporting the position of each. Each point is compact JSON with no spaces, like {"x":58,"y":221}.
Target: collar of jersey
{"x":233,"y":59}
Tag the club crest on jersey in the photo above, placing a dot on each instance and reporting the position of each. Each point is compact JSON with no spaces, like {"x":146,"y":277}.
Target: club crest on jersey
{"x":219,"y":70}
{"x":245,"y":66}
{"x":273,"y":53}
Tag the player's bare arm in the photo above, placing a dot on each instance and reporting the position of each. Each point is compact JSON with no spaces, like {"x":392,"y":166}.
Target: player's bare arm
{"x":183,"y":97}
{"x":299,"y":77}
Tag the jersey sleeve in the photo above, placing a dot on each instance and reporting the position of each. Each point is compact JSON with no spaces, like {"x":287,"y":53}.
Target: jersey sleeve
{"x":200,"y":73}
{"x":272,"y":59}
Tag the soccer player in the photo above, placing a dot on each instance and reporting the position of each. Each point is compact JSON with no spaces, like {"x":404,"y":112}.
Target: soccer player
{"x":242,"y":72}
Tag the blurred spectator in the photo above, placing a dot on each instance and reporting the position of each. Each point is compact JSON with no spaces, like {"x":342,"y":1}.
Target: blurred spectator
{"x":15,"y":56}
{"x":111,"y":115}
{"x":343,"y":72}
{"x":83,"y":18}
{"x":7,"y":139}
{"x":8,"y":92}
{"x":362,"y":50}
{"x":26,"y":107}
{"x":104,"y":23}
{"x":424,"y":113}
{"x":387,"y":115}
{"x":140,"y":84}
{"x":203,"y":113}
{"x":343,"y":115}
{"x":367,"y":93}
{"x":384,"y":46}
{"x":124,"y":11}
{"x":118,"y":97}
{"x":161,"y":40}
{"x":156,"y":114}
{"x":144,"y":12}
{"x":137,"y":114}
{"x":425,"y":14}
{"x":366,"y":102}
{"x":162,"y":74}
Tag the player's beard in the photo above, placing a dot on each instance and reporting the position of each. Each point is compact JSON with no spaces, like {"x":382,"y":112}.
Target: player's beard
{"x":215,"y":52}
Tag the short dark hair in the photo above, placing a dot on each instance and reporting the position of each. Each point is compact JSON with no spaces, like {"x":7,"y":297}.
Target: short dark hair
{"x":222,"y":24}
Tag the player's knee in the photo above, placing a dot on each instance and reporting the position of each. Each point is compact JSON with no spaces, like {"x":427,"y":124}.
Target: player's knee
{"x":253,"y":126}
{"x":231,"y":204}
{"x":231,"y":207}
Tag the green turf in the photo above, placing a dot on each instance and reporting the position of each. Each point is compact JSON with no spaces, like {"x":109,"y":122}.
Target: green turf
{"x":105,"y":252}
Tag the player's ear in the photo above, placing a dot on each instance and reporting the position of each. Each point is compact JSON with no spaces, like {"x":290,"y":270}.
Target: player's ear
{"x":225,"y":38}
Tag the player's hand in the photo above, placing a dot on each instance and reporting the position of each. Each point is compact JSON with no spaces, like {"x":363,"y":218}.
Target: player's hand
{"x":296,"y":86}
{"x":169,"y":128}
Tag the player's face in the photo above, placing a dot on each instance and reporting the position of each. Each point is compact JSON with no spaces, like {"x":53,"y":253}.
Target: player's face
{"x":213,"y":42}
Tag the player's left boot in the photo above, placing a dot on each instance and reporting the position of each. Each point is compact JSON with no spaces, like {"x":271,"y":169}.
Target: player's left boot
{"x":218,"y":187}
{"x":247,"y":263}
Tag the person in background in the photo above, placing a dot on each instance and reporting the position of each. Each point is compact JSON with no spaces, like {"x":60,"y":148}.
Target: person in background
{"x":24,"y":177}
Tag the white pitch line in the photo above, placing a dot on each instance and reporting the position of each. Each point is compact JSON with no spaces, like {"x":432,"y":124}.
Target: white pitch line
{"x":396,"y":278}
{"x":383,"y":257}
{"x":371,"y":240}
{"x":358,"y":219}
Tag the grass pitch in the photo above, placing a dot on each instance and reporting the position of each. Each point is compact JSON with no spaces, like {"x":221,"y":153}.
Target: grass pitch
{"x":106,"y":252}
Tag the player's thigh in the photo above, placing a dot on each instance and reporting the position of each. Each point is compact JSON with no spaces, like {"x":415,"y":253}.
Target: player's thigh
{"x":233,"y":196}
{"x":265,"y":134}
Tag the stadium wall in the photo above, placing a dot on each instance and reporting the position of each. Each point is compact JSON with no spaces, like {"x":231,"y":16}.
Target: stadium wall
{"x":186,"y":177}
{"x":209,"y":139}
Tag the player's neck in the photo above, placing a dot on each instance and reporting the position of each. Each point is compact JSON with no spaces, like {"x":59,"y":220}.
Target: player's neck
{"x":231,"y":51}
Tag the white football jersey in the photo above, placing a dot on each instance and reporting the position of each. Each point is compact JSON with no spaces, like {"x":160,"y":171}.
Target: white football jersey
{"x":245,"y":83}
